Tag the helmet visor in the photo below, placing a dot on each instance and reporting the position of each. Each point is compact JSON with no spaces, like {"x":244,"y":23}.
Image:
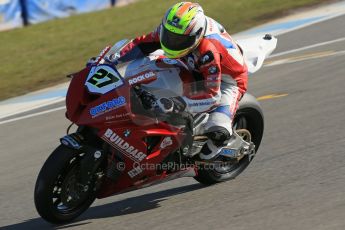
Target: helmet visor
{"x":175,"y":41}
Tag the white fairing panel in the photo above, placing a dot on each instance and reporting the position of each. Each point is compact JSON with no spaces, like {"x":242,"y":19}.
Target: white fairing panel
{"x":256,"y":50}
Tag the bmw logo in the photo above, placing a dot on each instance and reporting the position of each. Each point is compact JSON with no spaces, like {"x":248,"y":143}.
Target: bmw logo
{"x":127,"y":133}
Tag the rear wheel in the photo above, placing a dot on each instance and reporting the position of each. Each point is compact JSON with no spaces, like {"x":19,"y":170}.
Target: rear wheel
{"x":59,"y":198}
{"x":248,"y":118}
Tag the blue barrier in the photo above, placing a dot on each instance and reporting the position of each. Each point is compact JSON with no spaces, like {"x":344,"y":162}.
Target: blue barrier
{"x":16,"y":13}
{"x":43,"y":10}
{"x":10,"y":14}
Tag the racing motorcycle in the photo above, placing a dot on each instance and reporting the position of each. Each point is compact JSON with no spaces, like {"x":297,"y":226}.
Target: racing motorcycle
{"x":121,"y":144}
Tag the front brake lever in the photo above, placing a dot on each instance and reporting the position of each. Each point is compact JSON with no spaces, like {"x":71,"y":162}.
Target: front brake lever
{"x":113,"y":58}
{"x":148,"y":100}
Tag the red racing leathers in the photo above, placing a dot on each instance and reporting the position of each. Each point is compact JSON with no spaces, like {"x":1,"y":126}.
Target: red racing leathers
{"x":219,"y":71}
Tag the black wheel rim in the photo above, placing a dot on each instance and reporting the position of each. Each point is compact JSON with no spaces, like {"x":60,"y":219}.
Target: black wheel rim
{"x":67,"y":195}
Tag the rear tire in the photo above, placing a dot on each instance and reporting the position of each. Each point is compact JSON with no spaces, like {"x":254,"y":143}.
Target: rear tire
{"x":55,"y":183}
{"x":249,"y":116}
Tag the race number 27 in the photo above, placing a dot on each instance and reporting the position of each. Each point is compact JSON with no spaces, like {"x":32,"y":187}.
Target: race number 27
{"x":102,"y":78}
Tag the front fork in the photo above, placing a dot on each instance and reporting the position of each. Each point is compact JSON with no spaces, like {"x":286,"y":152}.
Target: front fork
{"x":91,"y":157}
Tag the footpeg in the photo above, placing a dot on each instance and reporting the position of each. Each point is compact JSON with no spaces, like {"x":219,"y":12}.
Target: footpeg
{"x":237,"y":154}
{"x":231,"y":153}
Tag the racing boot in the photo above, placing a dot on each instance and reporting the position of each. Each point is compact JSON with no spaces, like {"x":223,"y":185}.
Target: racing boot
{"x":221,"y":145}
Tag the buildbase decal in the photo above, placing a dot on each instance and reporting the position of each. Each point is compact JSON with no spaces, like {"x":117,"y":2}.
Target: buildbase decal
{"x":117,"y":142}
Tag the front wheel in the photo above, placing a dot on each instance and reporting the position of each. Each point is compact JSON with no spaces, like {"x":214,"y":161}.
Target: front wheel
{"x":59,"y":198}
{"x":249,"y":117}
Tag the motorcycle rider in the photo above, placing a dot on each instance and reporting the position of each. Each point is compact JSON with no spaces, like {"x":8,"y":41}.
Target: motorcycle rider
{"x":219,"y":71}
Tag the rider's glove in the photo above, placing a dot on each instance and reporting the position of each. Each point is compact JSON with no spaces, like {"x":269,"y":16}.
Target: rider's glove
{"x":113,"y":59}
{"x":110,"y":59}
{"x":91,"y":61}
{"x":149,"y":100}
{"x":171,"y":105}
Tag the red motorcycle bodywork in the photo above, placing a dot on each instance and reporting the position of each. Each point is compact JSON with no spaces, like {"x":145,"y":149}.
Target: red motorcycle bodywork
{"x":80,"y":101}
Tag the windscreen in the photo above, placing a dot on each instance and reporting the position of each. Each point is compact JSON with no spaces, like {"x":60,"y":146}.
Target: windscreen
{"x":114,"y":54}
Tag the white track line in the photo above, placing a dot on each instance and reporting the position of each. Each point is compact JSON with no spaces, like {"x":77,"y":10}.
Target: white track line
{"x":33,"y":107}
{"x":32,"y":115}
{"x":307,"y":47}
{"x":311,"y":23}
{"x":300,"y":59}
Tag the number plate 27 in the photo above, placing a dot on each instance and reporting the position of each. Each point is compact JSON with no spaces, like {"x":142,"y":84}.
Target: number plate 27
{"x":103,"y":79}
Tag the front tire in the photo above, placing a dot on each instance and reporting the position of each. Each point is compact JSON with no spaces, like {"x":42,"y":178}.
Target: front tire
{"x":58,"y":199}
{"x":249,"y":116}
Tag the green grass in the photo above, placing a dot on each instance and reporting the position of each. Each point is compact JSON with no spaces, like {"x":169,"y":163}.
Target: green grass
{"x":41,"y":55}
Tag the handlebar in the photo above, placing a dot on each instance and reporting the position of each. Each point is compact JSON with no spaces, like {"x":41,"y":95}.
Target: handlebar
{"x":149,"y":102}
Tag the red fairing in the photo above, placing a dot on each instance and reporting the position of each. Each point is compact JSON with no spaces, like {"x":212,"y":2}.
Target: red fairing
{"x":80,"y":102}
{"x":135,"y":154}
{"x":77,"y":96}
{"x":138,"y":139}
{"x":112,"y":111}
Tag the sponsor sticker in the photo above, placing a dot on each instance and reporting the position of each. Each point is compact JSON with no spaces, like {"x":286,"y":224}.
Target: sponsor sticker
{"x":167,"y":141}
{"x":212,"y":84}
{"x":201,"y":103}
{"x":135,"y":172}
{"x":213,"y":78}
{"x":207,"y":58}
{"x":213,"y":70}
{"x":117,"y":142}
{"x":228,"y":152}
{"x":142,"y":78}
{"x":191,"y":62}
{"x":175,"y":22}
{"x":69,"y":141}
{"x":107,"y":106}
{"x":169,"y":61}
{"x":127,"y":133}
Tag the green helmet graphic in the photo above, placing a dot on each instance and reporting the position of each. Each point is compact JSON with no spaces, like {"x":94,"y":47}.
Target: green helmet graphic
{"x":182,"y":29}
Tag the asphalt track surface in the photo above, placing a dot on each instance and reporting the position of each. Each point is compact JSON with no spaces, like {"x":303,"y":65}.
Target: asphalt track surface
{"x":297,"y":180}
